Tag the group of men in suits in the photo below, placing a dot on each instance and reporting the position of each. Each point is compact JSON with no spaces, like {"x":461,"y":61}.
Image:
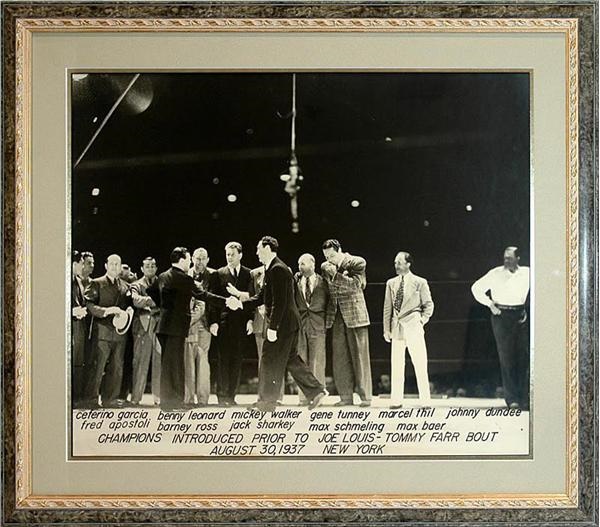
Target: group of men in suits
{"x":177,"y":313}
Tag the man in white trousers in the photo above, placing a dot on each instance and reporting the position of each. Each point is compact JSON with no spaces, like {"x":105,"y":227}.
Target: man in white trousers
{"x":406,"y":309}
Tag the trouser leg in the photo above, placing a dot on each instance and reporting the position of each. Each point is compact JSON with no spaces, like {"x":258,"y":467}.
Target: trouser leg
{"x":415,"y":341}
{"x":172,"y":374}
{"x":203,"y":368}
{"x":113,"y":378}
{"x":156,"y":359}
{"x":343,"y":373}
{"x":77,"y":360}
{"x":504,"y":328}
{"x":397,"y":371}
{"x":100,"y":352}
{"x":142,"y":353}
{"x":303,"y":354}
{"x":189,"y":366}
{"x":272,"y":368}
{"x":358,"y":343}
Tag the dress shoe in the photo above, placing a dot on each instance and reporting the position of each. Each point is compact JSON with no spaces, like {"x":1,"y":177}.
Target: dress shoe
{"x":514,"y":406}
{"x":395,"y":406}
{"x":364,"y":404}
{"x":344,"y":403}
{"x":262,"y":406}
{"x":318,"y":399}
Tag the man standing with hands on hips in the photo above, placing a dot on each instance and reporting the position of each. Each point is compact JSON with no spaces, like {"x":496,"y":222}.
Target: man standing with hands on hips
{"x":407,"y":307}
{"x":508,"y":287}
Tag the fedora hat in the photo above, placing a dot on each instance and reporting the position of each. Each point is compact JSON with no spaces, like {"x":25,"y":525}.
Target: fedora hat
{"x":122,"y":320}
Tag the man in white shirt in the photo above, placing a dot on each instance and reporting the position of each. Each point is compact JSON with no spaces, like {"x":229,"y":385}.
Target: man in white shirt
{"x":508,"y":287}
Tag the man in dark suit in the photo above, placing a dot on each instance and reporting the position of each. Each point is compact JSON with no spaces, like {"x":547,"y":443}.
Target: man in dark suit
{"x":312,"y":296}
{"x":107,"y":297}
{"x":232,"y":327}
{"x":282,"y":324}
{"x":78,"y":329}
{"x":173,"y":292}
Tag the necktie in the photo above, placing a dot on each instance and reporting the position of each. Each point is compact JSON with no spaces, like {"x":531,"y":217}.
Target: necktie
{"x":308,"y":292}
{"x":399,"y":296}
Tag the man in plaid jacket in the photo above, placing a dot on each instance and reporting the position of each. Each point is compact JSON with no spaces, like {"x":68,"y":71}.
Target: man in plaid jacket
{"x":348,"y":317}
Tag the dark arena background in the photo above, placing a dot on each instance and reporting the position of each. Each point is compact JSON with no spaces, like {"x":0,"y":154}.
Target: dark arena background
{"x":437,"y":164}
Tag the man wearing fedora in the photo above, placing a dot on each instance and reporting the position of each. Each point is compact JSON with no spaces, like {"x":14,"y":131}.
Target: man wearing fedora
{"x":108,"y":300}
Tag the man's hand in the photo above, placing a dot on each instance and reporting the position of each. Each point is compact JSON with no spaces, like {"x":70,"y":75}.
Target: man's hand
{"x":494,"y":309}
{"x":112,"y":310}
{"x":387,"y":336}
{"x":234,"y":291}
{"x":233,"y":303}
{"x":329,"y":269}
{"x":79,"y":312}
{"x":271,"y":335}
{"x":249,"y":327}
{"x":214,"y":329}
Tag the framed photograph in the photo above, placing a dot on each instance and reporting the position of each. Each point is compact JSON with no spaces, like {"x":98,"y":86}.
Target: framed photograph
{"x":300,"y":263}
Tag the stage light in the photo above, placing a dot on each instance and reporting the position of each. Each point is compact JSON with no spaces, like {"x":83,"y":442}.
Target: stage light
{"x":285,"y":177}
{"x":95,"y":192}
{"x":216,"y":181}
{"x":232,"y":198}
{"x":468,"y":208}
{"x":388,"y":139}
{"x":95,"y":120}
{"x":355,"y":203}
{"x":250,"y":131}
{"x":426,"y":223}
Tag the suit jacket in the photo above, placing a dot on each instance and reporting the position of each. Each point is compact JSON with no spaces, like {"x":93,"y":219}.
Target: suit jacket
{"x":346,"y":290}
{"x":146,"y":312}
{"x":313,"y":315}
{"x":172,"y":292}
{"x":218,"y":285}
{"x":258,"y":278}
{"x":199,"y":310}
{"x":100,"y":294}
{"x":416,"y":308}
{"x":77,"y":299}
{"x":277,"y":295}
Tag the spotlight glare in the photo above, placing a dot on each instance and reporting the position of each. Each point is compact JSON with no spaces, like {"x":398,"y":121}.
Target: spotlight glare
{"x":79,"y":76}
{"x":95,"y":120}
{"x":95,"y":192}
{"x":426,"y":223}
{"x":232,"y":198}
{"x":355,"y":203}
{"x":388,"y":139}
{"x":216,"y":181}
{"x":468,"y":208}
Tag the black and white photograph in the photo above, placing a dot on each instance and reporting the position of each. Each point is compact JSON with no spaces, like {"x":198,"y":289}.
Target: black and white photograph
{"x":300,"y":264}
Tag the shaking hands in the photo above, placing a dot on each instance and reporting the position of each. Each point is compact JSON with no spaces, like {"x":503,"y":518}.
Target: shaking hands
{"x":233,"y":303}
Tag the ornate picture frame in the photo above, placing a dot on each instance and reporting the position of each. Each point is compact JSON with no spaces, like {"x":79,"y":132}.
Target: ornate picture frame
{"x":575,"y":22}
